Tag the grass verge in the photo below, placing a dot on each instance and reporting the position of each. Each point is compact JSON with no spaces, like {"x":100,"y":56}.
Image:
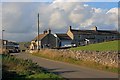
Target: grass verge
{"x":18,"y":69}
{"x":104,"y":46}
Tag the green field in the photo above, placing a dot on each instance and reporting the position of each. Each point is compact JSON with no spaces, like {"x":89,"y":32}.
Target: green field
{"x":104,"y":46}
{"x":18,"y":69}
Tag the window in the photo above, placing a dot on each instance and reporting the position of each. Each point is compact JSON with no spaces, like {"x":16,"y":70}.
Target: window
{"x":106,"y":37}
{"x":98,"y":40}
{"x":78,"y":36}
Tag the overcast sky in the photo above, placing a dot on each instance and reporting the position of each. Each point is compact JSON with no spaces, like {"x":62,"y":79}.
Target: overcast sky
{"x":19,"y":19}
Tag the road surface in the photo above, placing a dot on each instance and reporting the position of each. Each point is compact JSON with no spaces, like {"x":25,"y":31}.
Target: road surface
{"x":66,"y":70}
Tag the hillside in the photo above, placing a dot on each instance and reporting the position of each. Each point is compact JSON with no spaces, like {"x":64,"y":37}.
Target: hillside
{"x":24,"y":45}
{"x":104,"y":46}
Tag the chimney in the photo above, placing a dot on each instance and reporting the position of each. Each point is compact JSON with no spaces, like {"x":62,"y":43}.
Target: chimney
{"x":45,"y":31}
{"x":95,"y":28}
{"x":49,"y":31}
{"x":70,"y":27}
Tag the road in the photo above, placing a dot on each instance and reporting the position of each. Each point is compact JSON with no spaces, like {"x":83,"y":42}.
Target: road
{"x":67,"y":70}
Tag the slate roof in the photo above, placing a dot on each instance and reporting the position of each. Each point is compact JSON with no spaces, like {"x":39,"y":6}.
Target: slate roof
{"x":63,"y":37}
{"x":93,"y":32}
{"x":41,"y":36}
{"x":107,"y":32}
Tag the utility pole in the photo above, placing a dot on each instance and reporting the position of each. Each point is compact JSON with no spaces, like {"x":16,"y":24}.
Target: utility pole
{"x":2,"y":41}
{"x":38,"y":32}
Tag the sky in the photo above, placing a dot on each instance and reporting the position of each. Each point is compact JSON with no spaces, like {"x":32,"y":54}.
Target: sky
{"x":19,"y":19}
{"x":60,"y":0}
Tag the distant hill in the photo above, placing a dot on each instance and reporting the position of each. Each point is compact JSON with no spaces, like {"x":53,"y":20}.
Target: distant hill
{"x":24,"y":45}
{"x":104,"y":46}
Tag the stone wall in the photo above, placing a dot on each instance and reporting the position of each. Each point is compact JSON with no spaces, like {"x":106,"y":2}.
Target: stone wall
{"x":109,"y":58}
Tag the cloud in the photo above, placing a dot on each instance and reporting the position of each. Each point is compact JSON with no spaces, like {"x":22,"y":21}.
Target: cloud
{"x":60,"y":0}
{"x":104,"y":19}
{"x":113,"y":17}
{"x":113,"y":11}
{"x":20,"y":19}
{"x":57,"y":18}
{"x":80,"y":14}
{"x":25,"y":0}
{"x":86,"y":0}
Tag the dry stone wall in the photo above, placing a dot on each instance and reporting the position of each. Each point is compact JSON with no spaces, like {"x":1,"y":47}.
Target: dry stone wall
{"x":109,"y":58}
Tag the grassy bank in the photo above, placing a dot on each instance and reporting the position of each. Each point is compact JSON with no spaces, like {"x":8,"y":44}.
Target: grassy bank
{"x":104,"y":46}
{"x":54,"y":55}
{"x":18,"y":69}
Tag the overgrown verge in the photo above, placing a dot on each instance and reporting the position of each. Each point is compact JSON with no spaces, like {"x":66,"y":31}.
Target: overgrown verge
{"x":69,"y":57}
{"x":18,"y":69}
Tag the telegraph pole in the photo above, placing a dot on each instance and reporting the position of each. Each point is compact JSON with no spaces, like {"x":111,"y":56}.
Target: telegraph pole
{"x":38,"y":32}
{"x":2,"y":41}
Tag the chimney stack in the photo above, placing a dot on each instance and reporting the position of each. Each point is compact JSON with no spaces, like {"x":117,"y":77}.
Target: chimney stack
{"x":70,"y":27}
{"x":45,"y":31}
{"x":49,"y":31}
{"x":95,"y":28}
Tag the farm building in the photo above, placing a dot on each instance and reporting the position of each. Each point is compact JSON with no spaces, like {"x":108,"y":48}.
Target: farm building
{"x":49,"y":40}
{"x":72,"y":37}
{"x":84,"y":37}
